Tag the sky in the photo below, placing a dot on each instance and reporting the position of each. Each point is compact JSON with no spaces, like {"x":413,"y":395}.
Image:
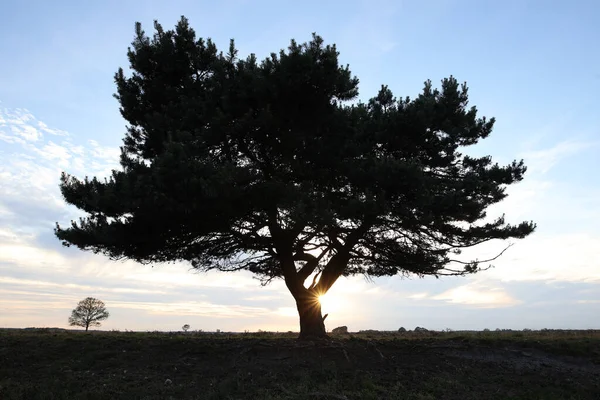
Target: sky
{"x":534,"y":65}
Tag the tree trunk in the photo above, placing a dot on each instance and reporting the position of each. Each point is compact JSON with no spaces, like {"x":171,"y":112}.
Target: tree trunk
{"x":86,"y":327}
{"x":312,"y":325}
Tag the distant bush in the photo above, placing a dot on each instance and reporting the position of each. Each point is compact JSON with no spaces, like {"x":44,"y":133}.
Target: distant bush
{"x":44,"y":330}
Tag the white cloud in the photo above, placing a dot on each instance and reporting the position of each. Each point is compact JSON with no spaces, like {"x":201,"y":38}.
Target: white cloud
{"x":290,"y":312}
{"x":21,"y":127}
{"x":31,"y":167}
{"x":104,"y":153}
{"x":25,"y":182}
{"x":523,"y":198}
{"x":73,"y":286}
{"x":55,"y":132}
{"x":32,"y":257}
{"x":8,"y":236}
{"x":540,"y":197}
{"x":541,"y":161}
{"x":558,"y":258}
{"x":4,"y":211}
{"x":27,"y":132}
{"x":18,"y":124}
{"x":418,"y":296}
{"x":180,"y":274}
{"x":16,"y":116}
{"x":475,"y":294}
{"x":262,"y":298}
{"x":53,"y":152}
{"x":10,"y":138}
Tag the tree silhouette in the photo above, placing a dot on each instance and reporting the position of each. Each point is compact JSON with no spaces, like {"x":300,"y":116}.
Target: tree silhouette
{"x":234,"y":164}
{"x":89,"y":312}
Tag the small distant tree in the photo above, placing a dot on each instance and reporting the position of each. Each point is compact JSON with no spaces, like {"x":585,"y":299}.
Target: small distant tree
{"x":89,"y":312}
{"x":186,"y":327}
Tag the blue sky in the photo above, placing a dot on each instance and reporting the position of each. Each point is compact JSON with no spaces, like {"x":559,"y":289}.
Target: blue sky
{"x":534,"y":65}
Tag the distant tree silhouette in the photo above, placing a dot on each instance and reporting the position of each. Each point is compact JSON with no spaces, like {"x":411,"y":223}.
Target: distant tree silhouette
{"x":186,"y":327}
{"x":89,"y":312}
{"x":234,"y":164}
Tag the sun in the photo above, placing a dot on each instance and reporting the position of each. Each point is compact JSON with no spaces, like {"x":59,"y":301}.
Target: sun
{"x":329,"y":303}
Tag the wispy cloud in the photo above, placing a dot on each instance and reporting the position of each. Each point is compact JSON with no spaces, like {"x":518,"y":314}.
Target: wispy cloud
{"x":46,"y":129}
{"x":27,"y":256}
{"x":32,"y":160}
{"x":21,"y":124}
{"x":543,"y":160}
{"x":195,"y":308}
{"x":16,"y":282}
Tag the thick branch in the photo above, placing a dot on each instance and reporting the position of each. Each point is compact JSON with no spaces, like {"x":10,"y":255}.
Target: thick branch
{"x":335,"y":267}
{"x":311,"y":265}
{"x":285,"y":254}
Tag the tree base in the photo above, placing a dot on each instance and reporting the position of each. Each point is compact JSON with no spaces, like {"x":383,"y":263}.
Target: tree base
{"x":313,"y":338}
{"x":312,"y":325}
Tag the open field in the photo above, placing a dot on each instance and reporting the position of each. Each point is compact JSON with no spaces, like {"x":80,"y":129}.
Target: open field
{"x":56,"y":364}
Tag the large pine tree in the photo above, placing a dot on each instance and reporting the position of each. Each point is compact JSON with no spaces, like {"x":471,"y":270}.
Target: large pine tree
{"x":234,"y":164}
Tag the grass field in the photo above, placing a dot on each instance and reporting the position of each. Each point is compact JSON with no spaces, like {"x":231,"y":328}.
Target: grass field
{"x":56,"y":364}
